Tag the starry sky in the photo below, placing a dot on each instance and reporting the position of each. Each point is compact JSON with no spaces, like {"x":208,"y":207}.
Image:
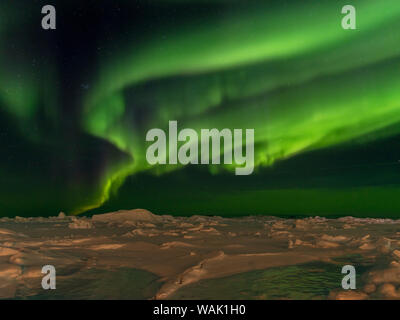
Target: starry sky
{"x":76,"y":104}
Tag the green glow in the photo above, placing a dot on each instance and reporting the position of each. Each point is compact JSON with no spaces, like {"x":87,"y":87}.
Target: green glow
{"x":291,"y":73}
{"x":286,"y":69}
{"x":23,"y":91}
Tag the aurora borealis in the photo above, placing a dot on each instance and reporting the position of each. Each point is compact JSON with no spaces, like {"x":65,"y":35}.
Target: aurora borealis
{"x":324,"y":102}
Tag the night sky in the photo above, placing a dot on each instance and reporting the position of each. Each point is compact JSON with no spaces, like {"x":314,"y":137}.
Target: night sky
{"x":76,"y":104}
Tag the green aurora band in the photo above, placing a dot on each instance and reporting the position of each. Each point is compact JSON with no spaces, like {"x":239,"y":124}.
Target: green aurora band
{"x":291,"y":73}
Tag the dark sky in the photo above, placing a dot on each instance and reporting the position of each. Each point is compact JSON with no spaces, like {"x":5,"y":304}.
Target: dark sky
{"x":76,"y":103}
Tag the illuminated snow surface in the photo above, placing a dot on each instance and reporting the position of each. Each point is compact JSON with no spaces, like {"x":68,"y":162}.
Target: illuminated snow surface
{"x":138,"y":255}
